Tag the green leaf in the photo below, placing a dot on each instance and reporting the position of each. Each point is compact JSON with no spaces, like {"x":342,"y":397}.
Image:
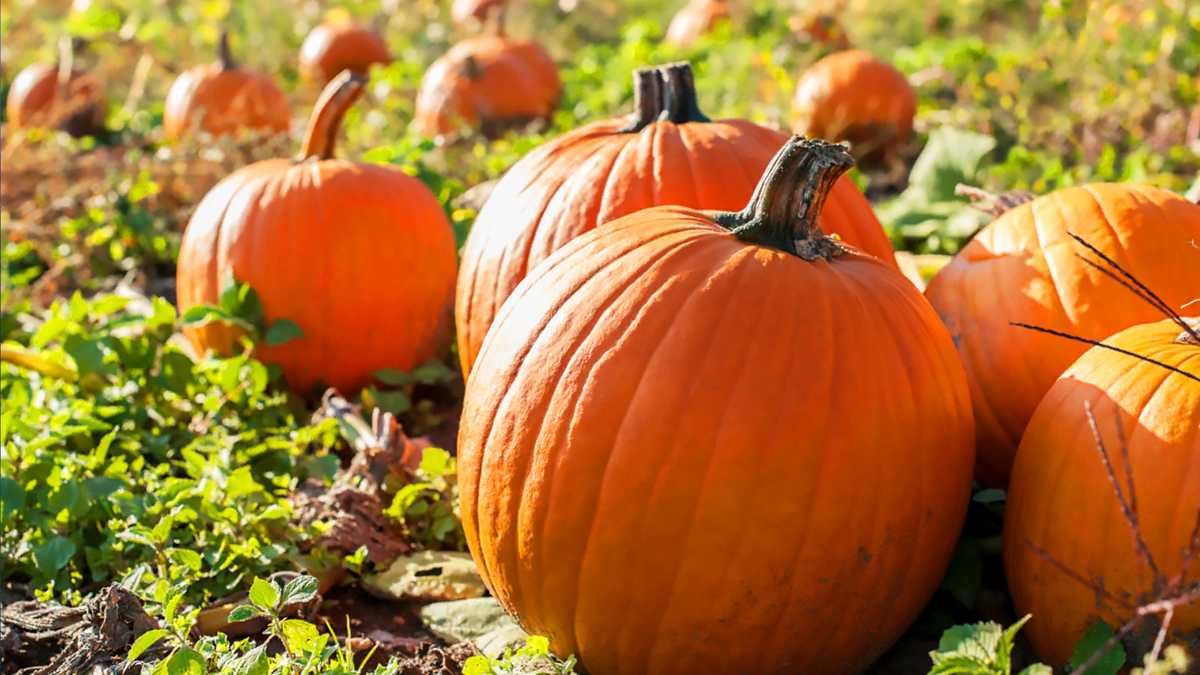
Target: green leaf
{"x":190,"y":559}
{"x":12,"y":497}
{"x":990,"y":496}
{"x":264,"y":594}
{"x":478,"y":665}
{"x":951,"y":156}
{"x":299,"y":635}
{"x":54,"y":554}
{"x":242,"y":613}
{"x":253,"y":662}
{"x":202,"y":314}
{"x":301,"y":589}
{"x":186,"y":661}
{"x":394,"y":401}
{"x":88,"y":356}
{"x":1037,"y":669}
{"x":1093,"y":640}
{"x":392,"y":377}
{"x":436,"y":463}
{"x":283,"y":331}
{"x":144,"y":642}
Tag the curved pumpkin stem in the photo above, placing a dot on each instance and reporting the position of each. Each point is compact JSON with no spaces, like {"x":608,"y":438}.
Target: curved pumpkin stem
{"x":224,"y":54}
{"x":783,"y":211}
{"x":664,"y":94}
{"x":337,"y":97}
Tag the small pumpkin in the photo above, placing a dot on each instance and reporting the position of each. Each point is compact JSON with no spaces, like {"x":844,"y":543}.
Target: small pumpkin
{"x":668,"y":152}
{"x":466,"y":11}
{"x":1023,"y":267}
{"x":820,"y":27}
{"x":853,"y":96}
{"x":1061,"y":499}
{"x":338,"y":45}
{"x":696,"y":19}
{"x":489,"y":82}
{"x":223,"y":98}
{"x":360,"y":256}
{"x":59,"y":96}
{"x":712,"y":442}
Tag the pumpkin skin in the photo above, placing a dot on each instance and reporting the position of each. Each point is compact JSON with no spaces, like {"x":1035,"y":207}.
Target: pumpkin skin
{"x":622,"y":425}
{"x":223,"y":98}
{"x":335,"y":46}
{"x":360,"y":256}
{"x":487,"y":82}
{"x":853,"y":96}
{"x":1023,"y":267}
{"x":612,"y":168}
{"x":1060,"y":498}
{"x":36,"y":100}
{"x":696,"y":19}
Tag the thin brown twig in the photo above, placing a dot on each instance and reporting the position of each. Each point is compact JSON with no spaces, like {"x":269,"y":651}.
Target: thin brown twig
{"x":1128,"y":506}
{"x":1157,"y":301}
{"x":1098,"y":343}
{"x":1117,"y":278}
{"x":1161,"y":638}
{"x":1189,"y":554}
{"x":1091,"y":585}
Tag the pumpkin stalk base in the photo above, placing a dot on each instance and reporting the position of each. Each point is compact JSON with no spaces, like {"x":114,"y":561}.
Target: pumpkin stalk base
{"x":783,"y":211}
{"x":664,"y":94}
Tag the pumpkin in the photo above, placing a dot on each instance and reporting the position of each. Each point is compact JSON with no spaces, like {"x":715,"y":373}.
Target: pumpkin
{"x":713,"y":442}
{"x":222,"y":98}
{"x":821,"y":28}
{"x":56,"y":97}
{"x":488,"y":82}
{"x":465,"y":11}
{"x":360,"y":256}
{"x":853,"y":96}
{"x":338,"y":45}
{"x":667,"y":153}
{"x":1061,"y":499}
{"x":1023,"y":267}
{"x":696,"y":19}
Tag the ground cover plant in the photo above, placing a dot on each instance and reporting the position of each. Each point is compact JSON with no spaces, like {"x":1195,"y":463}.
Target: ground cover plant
{"x":170,"y":508}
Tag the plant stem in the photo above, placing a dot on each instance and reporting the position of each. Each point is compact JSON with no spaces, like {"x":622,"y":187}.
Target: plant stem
{"x":224,"y":53}
{"x":337,"y":98}
{"x":783,"y":211}
{"x":664,"y":94}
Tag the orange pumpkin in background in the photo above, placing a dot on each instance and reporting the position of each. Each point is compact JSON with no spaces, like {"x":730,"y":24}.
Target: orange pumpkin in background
{"x":338,"y":45}
{"x":223,"y":98}
{"x":360,"y":256}
{"x":1023,"y":267}
{"x":678,"y":383}
{"x":668,"y":152}
{"x":465,"y":11}
{"x":1061,"y":499}
{"x":696,"y":19}
{"x":491,"y":83}
{"x":853,"y":96}
{"x":821,"y":28}
{"x":58,"y":96}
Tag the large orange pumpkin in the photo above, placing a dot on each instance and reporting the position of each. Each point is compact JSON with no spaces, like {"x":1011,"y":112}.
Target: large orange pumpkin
{"x":705,"y":442}
{"x":41,"y":97}
{"x":669,"y":153}
{"x":338,"y":45}
{"x":223,"y":98}
{"x":360,"y":256}
{"x":853,"y":96}
{"x":1061,"y":499}
{"x":697,"y":18}
{"x":1024,"y":267}
{"x":488,"y":82}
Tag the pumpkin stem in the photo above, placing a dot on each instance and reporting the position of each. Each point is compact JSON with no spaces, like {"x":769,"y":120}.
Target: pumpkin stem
{"x":664,"y":94}
{"x":679,"y":94}
{"x":783,"y":211}
{"x":647,"y":99}
{"x":337,"y":97}
{"x":224,"y":53}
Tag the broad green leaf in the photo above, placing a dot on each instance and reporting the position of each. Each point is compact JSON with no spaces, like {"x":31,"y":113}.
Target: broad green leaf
{"x":264,"y":594}
{"x":54,"y":554}
{"x":1097,"y":635}
{"x":283,"y":331}
{"x":186,"y":661}
{"x":951,"y":156}
{"x":187,"y":557}
{"x":478,"y":665}
{"x":300,"y":589}
{"x":242,"y":613}
{"x":299,"y":634}
{"x":253,"y":662}
{"x":144,"y":642}
{"x":12,"y":497}
{"x":1037,"y":669}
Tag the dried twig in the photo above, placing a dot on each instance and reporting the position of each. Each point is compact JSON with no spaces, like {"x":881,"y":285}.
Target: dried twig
{"x":990,"y":202}
{"x":1102,"y":345}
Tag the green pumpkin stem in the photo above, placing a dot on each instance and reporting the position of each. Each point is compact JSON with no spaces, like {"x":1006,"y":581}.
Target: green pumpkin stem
{"x":783,"y":211}
{"x":338,"y":96}
{"x":224,"y":53}
{"x":664,"y":94}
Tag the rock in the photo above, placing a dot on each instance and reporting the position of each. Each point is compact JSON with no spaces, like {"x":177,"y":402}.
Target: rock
{"x":428,"y":575}
{"x":481,"y":621}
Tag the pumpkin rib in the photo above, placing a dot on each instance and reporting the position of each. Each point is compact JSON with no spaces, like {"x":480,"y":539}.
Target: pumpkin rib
{"x":504,"y":403}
